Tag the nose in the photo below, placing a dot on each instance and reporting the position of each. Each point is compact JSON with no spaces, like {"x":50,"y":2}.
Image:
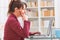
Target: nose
{"x":24,"y":11}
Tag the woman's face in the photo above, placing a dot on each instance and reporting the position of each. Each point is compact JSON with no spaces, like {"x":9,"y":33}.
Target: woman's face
{"x":22,"y":11}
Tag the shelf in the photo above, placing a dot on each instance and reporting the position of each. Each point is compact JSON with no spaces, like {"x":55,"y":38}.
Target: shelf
{"x":48,"y":7}
{"x":50,"y":17}
{"x":38,"y":11}
{"x":32,"y":8}
{"x":31,"y":0}
{"x":33,"y":19}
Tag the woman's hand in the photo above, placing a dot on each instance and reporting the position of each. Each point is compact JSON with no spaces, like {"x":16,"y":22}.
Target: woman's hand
{"x":34,"y":33}
{"x":24,"y":17}
{"x":23,"y":14}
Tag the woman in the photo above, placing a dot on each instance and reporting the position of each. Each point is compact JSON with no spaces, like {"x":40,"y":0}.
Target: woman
{"x":13,"y":29}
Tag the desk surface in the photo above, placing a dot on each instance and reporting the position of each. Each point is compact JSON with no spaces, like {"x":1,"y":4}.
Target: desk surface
{"x":42,"y":37}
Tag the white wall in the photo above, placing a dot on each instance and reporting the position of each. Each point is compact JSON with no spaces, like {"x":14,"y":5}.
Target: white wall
{"x":3,"y":10}
{"x":57,"y":13}
{"x":3,"y":15}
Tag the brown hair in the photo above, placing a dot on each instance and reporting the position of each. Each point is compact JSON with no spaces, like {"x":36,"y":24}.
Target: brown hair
{"x":24,"y":4}
{"x":13,"y":4}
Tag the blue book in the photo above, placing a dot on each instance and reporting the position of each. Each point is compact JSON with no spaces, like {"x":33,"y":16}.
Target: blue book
{"x":57,"y":33}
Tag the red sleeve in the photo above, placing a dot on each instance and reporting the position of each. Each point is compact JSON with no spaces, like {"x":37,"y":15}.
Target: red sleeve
{"x":17,"y":28}
{"x":26,"y":27}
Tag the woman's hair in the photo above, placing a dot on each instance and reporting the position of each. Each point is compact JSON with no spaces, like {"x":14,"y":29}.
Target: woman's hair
{"x":15,"y":3}
{"x":24,"y":4}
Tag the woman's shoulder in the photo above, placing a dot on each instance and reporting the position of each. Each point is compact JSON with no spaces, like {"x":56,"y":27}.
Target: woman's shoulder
{"x":10,"y":19}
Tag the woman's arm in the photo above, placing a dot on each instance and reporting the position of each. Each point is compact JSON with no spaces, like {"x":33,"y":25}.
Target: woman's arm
{"x":14,"y":25}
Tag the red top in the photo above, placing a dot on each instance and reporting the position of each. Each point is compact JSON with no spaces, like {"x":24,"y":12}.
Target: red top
{"x":14,"y":31}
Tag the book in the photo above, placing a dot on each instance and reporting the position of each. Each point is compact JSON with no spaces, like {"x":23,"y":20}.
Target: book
{"x":42,"y":3}
{"x":33,"y":4}
{"x":36,"y":4}
{"x":52,"y":12}
{"x":28,"y":4}
{"x":45,"y":12}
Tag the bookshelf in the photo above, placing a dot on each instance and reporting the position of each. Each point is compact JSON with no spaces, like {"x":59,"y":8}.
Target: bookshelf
{"x":39,"y":10}
{"x":32,"y":12}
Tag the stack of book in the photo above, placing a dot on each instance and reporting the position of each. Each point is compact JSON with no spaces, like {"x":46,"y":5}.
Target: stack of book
{"x":47,"y":12}
{"x":46,"y":3}
{"x":32,"y":4}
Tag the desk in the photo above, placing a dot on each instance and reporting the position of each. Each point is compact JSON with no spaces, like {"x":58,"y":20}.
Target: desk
{"x":42,"y":38}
